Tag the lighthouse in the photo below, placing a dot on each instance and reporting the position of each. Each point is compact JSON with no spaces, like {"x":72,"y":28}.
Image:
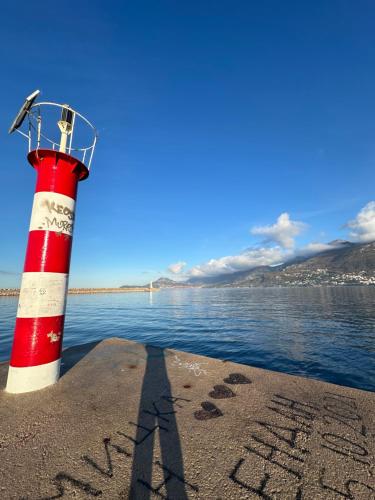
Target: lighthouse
{"x":60,"y":164}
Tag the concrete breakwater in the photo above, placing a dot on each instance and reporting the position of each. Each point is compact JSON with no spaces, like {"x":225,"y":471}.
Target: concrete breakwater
{"x":12,"y":292}
{"x":134,"y":421}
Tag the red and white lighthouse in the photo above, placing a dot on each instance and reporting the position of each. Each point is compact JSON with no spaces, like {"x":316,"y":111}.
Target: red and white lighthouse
{"x":37,"y":344}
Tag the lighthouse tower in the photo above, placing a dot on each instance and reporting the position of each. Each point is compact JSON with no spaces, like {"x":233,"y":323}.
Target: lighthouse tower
{"x":60,"y":164}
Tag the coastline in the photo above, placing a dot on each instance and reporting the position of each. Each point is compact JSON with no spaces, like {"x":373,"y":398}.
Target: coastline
{"x":14,"y":292}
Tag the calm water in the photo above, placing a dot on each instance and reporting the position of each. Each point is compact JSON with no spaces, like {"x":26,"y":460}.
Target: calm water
{"x":323,"y":333}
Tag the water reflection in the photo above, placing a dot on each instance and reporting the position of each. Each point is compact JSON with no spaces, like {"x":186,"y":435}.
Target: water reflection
{"x":326,"y":333}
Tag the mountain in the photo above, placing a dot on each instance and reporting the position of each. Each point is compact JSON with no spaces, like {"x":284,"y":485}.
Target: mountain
{"x":229,"y":279}
{"x":168,"y":283}
{"x":345,"y":263}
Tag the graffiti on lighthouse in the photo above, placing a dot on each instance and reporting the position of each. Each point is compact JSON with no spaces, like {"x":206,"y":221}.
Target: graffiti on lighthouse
{"x":52,"y":212}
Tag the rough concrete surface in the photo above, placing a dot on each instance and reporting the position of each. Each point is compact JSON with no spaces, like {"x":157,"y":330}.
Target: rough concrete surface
{"x":137,"y":422}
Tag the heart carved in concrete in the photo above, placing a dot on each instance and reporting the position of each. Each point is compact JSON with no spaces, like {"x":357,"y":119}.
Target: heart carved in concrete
{"x":209,"y":411}
{"x":221,"y":392}
{"x":237,"y":378}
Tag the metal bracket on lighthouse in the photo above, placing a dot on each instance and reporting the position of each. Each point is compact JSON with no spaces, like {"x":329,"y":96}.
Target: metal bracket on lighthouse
{"x":60,"y":164}
{"x":66,"y":125}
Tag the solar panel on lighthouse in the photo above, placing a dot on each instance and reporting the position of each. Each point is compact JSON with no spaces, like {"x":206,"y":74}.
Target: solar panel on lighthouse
{"x":23,"y":111}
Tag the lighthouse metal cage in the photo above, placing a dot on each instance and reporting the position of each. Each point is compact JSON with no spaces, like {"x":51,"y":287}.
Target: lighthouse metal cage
{"x":48,"y":122}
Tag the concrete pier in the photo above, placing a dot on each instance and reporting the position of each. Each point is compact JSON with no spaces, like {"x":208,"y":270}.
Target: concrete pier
{"x":138,"y":422}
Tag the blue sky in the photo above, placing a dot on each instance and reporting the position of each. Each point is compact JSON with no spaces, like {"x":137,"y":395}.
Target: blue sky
{"x":214,"y":118}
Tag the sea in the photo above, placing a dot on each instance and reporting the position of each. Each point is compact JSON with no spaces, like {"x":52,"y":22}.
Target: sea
{"x":324,"y":333}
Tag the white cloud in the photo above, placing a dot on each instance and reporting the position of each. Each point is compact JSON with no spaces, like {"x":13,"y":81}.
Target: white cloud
{"x":363,"y":226}
{"x":177,"y":267}
{"x":282,"y":232}
{"x":252,"y":257}
{"x":316,"y":247}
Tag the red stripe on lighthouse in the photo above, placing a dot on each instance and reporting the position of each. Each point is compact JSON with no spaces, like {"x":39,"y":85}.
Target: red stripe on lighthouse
{"x":57,"y":171}
{"x":37,"y":341}
{"x":48,"y":251}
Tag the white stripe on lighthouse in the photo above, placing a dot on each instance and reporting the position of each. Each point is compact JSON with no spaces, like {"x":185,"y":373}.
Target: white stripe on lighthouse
{"x":32,"y":378}
{"x":52,"y":212}
{"x":42,"y":295}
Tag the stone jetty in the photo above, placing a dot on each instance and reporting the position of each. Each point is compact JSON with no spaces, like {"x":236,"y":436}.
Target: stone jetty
{"x":128,"y":421}
{"x":12,"y":292}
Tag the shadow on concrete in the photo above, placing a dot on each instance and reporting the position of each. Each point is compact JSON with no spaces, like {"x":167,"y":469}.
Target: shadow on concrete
{"x":72,"y":355}
{"x":157,"y":421}
{"x":3,"y":374}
